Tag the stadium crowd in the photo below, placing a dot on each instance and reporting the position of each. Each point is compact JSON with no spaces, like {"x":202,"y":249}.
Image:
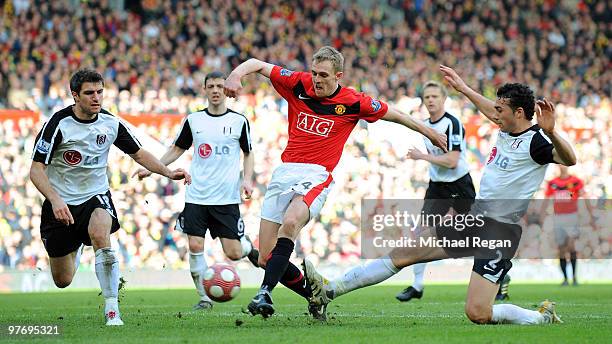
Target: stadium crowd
{"x":154,"y":59}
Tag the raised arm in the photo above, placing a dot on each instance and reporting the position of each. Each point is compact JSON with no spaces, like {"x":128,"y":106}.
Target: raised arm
{"x":563,"y":153}
{"x":233,"y":86}
{"x":396,"y":116}
{"x":484,"y":105}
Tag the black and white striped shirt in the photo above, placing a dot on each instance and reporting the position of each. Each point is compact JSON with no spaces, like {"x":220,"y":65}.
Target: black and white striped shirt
{"x":455,"y":133}
{"x":215,"y":167}
{"x":76,"y":152}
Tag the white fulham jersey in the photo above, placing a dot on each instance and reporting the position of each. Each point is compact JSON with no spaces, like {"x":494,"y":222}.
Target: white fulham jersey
{"x":76,"y":152}
{"x":215,"y":167}
{"x":455,"y":133}
{"x":514,"y":171}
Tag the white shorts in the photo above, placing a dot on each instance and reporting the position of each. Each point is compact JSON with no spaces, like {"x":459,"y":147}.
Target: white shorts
{"x":566,"y":226}
{"x":310,"y":180}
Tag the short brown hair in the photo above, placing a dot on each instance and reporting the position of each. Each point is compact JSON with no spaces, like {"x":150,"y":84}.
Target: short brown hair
{"x":328,"y":53}
{"x":432,"y":83}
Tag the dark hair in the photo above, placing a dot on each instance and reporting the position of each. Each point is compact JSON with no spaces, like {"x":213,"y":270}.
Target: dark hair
{"x":214,"y":75}
{"x":82,"y":76}
{"x":519,"y":96}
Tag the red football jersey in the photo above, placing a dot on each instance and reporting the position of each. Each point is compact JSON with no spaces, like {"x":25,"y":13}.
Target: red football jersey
{"x":319,"y":127}
{"x":565,"y":193}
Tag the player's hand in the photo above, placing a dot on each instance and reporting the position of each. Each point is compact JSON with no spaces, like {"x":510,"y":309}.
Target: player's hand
{"x":232,"y":85}
{"x":542,"y":219}
{"x":453,"y":78}
{"x":247,"y":189}
{"x":545,"y":113}
{"x":414,"y":154}
{"x":179,"y":174}
{"x":593,"y":223}
{"x":142,"y":173}
{"x":61,"y":211}
{"x":438,"y":140}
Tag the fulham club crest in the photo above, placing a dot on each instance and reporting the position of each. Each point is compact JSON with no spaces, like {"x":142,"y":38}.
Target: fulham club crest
{"x":101,"y":139}
{"x":516,"y":143}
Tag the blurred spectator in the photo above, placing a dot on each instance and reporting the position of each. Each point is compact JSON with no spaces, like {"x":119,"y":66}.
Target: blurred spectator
{"x":561,"y":49}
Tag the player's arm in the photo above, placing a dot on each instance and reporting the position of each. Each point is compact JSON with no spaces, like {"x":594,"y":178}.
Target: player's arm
{"x":484,"y":105}
{"x":233,"y":86}
{"x":396,"y":116}
{"x":248,"y":160}
{"x":248,"y":168}
{"x":562,"y":153}
{"x":39,"y":178}
{"x":173,"y":153}
{"x":448,"y":160}
{"x":589,"y":207}
{"x":151,"y":163}
{"x":544,"y":209}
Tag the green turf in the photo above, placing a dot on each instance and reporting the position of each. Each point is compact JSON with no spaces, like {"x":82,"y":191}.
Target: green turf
{"x":365,"y":316}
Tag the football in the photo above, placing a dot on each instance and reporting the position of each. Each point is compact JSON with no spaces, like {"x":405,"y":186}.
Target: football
{"x":221,"y":282}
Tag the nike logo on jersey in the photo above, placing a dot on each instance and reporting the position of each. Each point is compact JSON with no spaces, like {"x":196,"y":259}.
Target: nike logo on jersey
{"x":303,"y":97}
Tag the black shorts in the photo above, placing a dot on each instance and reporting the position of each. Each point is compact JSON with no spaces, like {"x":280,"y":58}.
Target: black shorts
{"x":441,"y":196}
{"x":59,"y":239}
{"x":490,"y":242}
{"x":222,"y":220}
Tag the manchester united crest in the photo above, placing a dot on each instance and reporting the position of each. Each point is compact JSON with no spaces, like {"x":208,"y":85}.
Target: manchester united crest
{"x":340,"y":109}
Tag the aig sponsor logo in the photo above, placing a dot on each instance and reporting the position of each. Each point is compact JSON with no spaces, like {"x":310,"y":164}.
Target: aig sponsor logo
{"x":314,"y":124}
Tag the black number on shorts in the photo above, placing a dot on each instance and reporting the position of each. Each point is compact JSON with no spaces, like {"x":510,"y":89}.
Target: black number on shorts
{"x":306,"y":185}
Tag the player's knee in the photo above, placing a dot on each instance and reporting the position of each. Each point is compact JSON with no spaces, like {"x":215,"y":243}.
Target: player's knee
{"x":195,"y":246}
{"x":62,"y":281}
{"x":291,"y":225}
{"x":99,"y":238}
{"x":234,"y":254}
{"x":478,"y":314}
{"x":261,"y":261}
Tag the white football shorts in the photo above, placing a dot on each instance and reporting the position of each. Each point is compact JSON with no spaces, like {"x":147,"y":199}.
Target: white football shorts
{"x":309,"y":180}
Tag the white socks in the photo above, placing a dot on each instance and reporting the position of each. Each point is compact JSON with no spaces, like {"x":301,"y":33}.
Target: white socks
{"x":247,"y":247}
{"x":197,"y":266}
{"x":372,"y":272}
{"x":511,"y":314}
{"x":419,"y":271}
{"x":107,"y":271}
{"x":77,"y":257}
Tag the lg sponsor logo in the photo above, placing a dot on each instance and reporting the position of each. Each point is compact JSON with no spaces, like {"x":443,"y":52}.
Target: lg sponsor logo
{"x":205,"y":150}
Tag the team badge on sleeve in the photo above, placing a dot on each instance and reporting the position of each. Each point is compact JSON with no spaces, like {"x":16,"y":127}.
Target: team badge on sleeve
{"x":456,"y":139}
{"x":286,"y":72}
{"x":375,"y":105}
{"x":43,"y":147}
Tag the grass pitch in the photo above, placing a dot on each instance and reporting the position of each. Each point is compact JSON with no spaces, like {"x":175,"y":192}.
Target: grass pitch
{"x":370,"y":315}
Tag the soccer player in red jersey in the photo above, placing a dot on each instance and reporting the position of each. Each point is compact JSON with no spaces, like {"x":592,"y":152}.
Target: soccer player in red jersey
{"x":565,"y":191}
{"x":322,"y":114}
